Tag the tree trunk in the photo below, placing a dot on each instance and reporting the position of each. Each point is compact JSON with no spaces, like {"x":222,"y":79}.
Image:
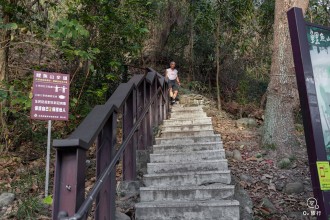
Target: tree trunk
{"x":191,"y":75}
{"x":282,"y":93}
{"x":4,"y":57}
{"x":4,"y":51}
{"x":217,"y":58}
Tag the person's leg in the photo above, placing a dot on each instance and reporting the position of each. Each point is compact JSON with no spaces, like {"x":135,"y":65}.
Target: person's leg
{"x":170,"y":85}
{"x":171,"y":93}
{"x":175,"y":94}
{"x":176,"y":90}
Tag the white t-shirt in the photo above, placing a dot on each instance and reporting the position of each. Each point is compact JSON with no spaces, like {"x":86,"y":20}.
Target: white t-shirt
{"x":172,"y":74}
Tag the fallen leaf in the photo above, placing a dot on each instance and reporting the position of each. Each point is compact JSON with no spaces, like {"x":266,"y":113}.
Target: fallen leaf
{"x":271,"y":186}
{"x":252,"y":159}
{"x":268,"y":176}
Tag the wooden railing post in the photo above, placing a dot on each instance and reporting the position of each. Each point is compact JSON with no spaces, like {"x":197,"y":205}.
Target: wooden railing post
{"x":164,"y":110}
{"x":145,"y":120}
{"x":160,"y":108}
{"x":129,"y":159}
{"x":69,"y":180}
{"x":167,"y":101}
{"x":141,"y":103}
{"x":155,"y":106}
{"x":106,"y":151}
{"x":148,"y":134}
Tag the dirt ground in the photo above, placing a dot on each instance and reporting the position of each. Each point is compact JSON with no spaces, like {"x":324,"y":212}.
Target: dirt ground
{"x":259,"y":175}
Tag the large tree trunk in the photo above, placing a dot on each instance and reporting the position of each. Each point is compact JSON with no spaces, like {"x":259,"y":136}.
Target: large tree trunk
{"x":282,"y":94}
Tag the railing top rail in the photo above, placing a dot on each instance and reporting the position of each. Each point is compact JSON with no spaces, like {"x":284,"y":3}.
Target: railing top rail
{"x":67,"y":143}
{"x":86,"y":133}
{"x":150,"y":77}
{"x":120,"y":95}
{"x":137,"y":79}
{"x":161,"y":78}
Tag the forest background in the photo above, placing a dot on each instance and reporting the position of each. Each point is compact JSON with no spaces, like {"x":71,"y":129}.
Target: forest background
{"x":224,"y":49}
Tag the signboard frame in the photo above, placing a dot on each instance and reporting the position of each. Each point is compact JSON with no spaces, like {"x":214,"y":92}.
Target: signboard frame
{"x":309,"y":104}
{"x":50,"y":99}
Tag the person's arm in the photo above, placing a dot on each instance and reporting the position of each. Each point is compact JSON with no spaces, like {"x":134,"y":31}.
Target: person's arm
{"x":166,"y":76}
{"x":178,"y":80}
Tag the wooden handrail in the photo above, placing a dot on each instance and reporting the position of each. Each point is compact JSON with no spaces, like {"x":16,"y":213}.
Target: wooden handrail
{"x":143,"y":102}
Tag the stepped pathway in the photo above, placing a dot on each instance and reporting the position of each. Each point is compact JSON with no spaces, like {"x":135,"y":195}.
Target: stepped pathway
{"x":188,"y":176}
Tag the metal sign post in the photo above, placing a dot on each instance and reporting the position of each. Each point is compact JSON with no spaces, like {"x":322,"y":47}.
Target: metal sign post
{"x":310,"y":45}
{"x":48,"y":157}
{"x":50,"y":102}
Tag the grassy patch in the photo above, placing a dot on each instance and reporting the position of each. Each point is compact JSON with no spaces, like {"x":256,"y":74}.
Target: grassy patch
{"x":292,"y":158}
{"x":269,"y":147}
{"x":285,"y":163}
{"x":299,"y":128}
{"x":30,"y":208}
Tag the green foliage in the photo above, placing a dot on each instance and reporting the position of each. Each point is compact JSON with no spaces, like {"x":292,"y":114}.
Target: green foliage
{"x":319,"y":12}
{"x":96,"y":39}
{"x":48,"y":200}
{"x":8,"y":26}
{"x":292,"y":158}
{"x":29,"y":209}
{"x":67,"y":33}
{"x":284,"y":164}
{"x":250,"y":94}
{"x":17,"y":112}
{"x":68,"y":29}
{"x":198,"y":87}
{"x":245,"y":41}
{"x":266,"y":17}
{"x":269,"y":147}
{"x":29,"y":184}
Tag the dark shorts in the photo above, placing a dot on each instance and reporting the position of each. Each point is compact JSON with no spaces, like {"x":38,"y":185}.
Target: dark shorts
{"x":173,"y":84}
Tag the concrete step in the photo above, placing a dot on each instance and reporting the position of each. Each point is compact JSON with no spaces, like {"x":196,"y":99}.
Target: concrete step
{"x":182,"y":157}
{"x":174,"y":134}
{"x":184,"y":114}
{"x":211,"y":165}
{"x":187,"y":193}
{"x":188,"y":140}
{"x":196,"y":210}
{"x":178,"y":108}
{"x":183,"y":147}
{"x":188,"y":115}
{"x":193,"y":109}
{"x":190,"y":121}
{"x":188,"y":178}
{"x":190,"y":127}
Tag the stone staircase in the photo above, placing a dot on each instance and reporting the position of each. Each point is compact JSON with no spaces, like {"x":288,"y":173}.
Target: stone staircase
{"x":188,"y":176}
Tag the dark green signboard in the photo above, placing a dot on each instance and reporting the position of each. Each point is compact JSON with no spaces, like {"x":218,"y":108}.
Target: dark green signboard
{"x":319,"y":46}
{"x":311,"y":53}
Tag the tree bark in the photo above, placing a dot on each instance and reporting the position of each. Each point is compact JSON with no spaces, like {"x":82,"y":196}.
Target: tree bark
{"x":217,"y":57}
{"x":4,"y":50}
{"x":4,"y":57}
{"x":282,"y":93}
{"x":191,"y":75}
